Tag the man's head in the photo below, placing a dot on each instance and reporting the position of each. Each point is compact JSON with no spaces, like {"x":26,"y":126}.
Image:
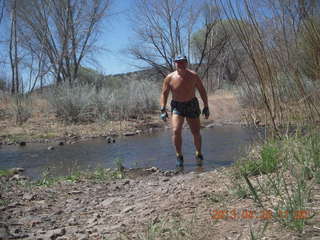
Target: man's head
{"x":181,"y":62}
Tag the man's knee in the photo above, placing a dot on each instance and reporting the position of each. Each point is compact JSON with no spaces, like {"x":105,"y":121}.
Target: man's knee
{"x":196,"y":133}
{"x":176,"y":131}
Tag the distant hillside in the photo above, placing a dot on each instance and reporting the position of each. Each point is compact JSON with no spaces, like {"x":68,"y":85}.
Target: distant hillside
{"x":147,"y":74}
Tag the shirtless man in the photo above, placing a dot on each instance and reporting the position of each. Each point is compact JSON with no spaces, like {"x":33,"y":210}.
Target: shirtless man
{"x":183,"y":83}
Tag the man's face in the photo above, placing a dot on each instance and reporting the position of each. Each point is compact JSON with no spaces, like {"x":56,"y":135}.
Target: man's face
{"x":181,"y":64}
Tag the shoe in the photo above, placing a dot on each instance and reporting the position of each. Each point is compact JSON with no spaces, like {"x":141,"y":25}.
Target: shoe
{"x":199,"y":159}
{"x":179,"y":162}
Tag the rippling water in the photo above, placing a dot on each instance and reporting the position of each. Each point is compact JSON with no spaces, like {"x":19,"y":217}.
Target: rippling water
{"x":221,"y":147}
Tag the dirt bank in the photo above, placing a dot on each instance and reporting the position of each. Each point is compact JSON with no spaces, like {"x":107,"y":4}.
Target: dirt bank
{"x":146,"y":204}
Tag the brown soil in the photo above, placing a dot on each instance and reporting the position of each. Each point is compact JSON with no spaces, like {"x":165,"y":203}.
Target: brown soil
{"x":147,"y":204}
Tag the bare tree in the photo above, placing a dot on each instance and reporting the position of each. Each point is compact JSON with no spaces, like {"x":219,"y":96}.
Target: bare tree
{"x":13,"y":49}
{"x":163,"y":29}
{"x":60,"y":33}
{"x":2,"y":9}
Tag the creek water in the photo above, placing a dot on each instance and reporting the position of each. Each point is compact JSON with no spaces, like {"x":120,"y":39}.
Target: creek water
{"x":221,"y":145}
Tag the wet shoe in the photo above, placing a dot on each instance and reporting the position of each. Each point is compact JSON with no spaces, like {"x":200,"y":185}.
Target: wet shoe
{"x":199,"y":159}
{"x":179,"y":162}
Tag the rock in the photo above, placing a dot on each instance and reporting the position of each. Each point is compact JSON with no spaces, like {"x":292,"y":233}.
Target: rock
{"x":127,"y":134}
{"x":50,"y":148}
{"x":106,"y":203}
{"x":74,"y":192}
{"x":168,"y":173}
{"x":84,"y":236}
{"x":61,"y":143}
{"x":211,"y":125}
{"x":109,"y":139}
{"x":92,"y":221}
{"x":165,"y":179}
{"x":28,"y":196}
{"x":53,"y":234}
{"x":152,"y":169}
{"x":126,"y":182}
{"x":17,"y":170}
{"x":138,"y":131}
{"x":72,"y":221}
{"x":22,"y":143}
{"x":18,"y":177}
{"x":128,"y":209}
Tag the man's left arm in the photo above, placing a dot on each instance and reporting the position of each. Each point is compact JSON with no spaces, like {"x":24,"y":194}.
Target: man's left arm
{"x":204,"y":96}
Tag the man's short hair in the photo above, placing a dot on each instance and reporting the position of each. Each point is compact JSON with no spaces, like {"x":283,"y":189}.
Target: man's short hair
{"x":180,"y":58}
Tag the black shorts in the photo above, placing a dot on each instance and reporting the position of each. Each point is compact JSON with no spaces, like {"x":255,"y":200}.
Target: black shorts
{"x":189,"y":109}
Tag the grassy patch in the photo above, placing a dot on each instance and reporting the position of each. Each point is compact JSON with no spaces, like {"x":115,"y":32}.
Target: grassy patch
{"x":4,"y":202}
{"x":281,"y":175}
{"x":48,"y":135}
{"x":177,"y":228}
{"x":266,"y":162}
{"x":97,"y":175}
{"x":5,"y":173}
{"x":16,"y":137}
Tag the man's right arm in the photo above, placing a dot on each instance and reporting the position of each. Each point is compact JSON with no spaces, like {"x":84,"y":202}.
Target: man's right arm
{"x":165,"y":92}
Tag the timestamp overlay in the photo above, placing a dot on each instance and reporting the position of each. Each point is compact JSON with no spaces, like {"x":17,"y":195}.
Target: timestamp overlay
{"x":260,"y":214}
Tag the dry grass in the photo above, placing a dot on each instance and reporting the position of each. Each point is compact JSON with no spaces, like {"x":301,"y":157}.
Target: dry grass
{"x":43,"y":123}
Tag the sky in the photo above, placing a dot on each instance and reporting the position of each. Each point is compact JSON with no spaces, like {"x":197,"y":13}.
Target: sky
{"x":115,"y":37}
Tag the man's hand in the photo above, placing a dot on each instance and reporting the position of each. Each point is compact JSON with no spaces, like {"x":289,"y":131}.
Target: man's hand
{"x":206,"y":112}
{"x":164,"y":114}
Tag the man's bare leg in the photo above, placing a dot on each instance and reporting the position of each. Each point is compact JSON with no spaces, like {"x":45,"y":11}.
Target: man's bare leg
{"x":177,"y":123}
{"x":194,"y":124}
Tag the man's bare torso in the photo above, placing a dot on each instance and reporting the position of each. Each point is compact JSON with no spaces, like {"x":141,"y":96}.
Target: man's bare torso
{"x":183,"y":86}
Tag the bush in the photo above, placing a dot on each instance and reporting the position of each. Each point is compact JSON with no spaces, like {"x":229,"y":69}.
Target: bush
{"x":21,"y":108}
{"x":266,"y":161}
{"x":71,"y":104}
{"x":86,"y":104}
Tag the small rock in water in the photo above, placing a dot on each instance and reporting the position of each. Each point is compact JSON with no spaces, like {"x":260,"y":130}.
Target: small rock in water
{"x":50,"y":148}
{"x":127,"y":134}
{"x":152,"y":169}
{"x":61,"y":143}
{"x":22,"y":143}
{"x":17,"y":170}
